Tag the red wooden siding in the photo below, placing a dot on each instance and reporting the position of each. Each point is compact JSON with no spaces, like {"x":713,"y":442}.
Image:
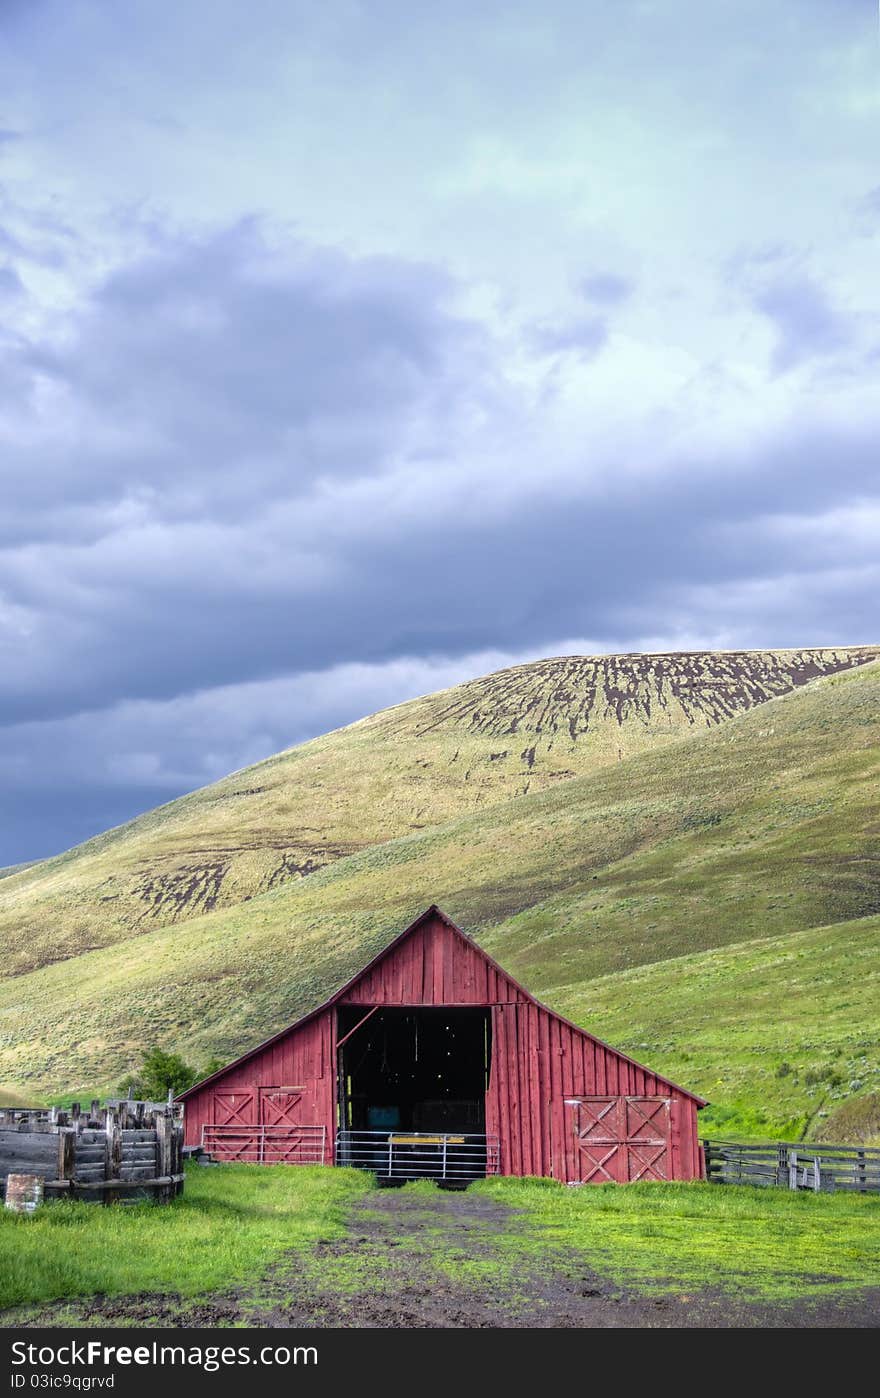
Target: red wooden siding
{"x":303,"y":1060}
{"x":433,"y":967}
{"x":541,"y":1066}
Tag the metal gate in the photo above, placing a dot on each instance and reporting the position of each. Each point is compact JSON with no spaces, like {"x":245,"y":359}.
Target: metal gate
{"x":618,"y":1139}
{"x":457,"y":1157}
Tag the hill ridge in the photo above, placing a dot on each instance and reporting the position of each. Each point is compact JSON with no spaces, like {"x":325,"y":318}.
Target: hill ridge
{"x":412,"y":767}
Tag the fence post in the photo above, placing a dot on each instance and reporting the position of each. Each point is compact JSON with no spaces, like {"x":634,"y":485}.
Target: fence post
{"x":176,"y":1154}
{"x":163,"y":1151}
{"x":793,"y":1169}
{"x":860,"y":1167}
{"x":66,"y":1153}
{"x":112,"y":1156}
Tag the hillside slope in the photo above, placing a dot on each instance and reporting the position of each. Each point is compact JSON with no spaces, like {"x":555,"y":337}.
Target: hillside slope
{"x":777,"y":1032}
{"x":763,"y":827}
{"x":408,"y":768}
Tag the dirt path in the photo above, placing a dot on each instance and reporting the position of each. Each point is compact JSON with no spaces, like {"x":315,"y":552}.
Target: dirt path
{"x":418,"y":1259}
{"x":428,"y":1260}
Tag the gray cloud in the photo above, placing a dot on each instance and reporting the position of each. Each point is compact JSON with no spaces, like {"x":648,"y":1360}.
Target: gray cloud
{"x":606,"y":289}
{"x":206,"y":518}
{"x":263,"y":475}
{"x":806,"y":323}
{"x":10,"y":283}
{"x":584,"y":337}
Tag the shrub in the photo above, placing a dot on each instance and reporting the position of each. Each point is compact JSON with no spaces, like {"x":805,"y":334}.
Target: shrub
{"x":159,"y":1073}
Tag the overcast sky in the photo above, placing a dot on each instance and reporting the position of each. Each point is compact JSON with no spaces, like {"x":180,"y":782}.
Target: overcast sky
{"x":349,"y":350}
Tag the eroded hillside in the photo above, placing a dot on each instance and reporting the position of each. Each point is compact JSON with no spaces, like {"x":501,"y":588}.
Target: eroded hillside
{"x":408,"y":768}
{"x":756,"y":829}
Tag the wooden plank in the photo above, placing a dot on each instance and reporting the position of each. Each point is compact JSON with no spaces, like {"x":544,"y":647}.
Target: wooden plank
{"x":418,"y":967}
{"x":27,"y":1162}
{"x":535,"y":1095}
{"x":448,"y":987}
{"x":44,"y":1168}
{"x":25,"y":1140}
{"x":144,"y":1155}
{"x":499,"y":1046}
{"x":67,"y":1154}
{"x":112,"y":1186}
{"x":113,"y":1162}
{"x":523,"y":1090}
{"x":805,"y":1148}
{"x":436,"y":967}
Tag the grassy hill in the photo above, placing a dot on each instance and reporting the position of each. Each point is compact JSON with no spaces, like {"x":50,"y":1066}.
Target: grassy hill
{"x":641,"y":898}
{"x":409,"y":768}
{"x":783,"y":1030}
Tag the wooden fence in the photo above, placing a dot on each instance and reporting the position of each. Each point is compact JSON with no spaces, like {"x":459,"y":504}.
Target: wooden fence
{"x":787,"y":1165}
{"x":127,"y":1151}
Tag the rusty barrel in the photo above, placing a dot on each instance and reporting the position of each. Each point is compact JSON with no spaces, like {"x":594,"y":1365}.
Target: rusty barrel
{"x":24,"y":1193}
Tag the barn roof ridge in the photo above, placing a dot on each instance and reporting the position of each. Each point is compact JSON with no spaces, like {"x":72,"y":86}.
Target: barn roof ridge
{"x":433,"y":911}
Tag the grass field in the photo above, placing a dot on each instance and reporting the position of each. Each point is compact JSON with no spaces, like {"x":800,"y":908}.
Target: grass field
{"x":235,"y":1225}
{"x":229,"y":1225}
{"x":778,"y":1034}
{"x":653,"y":901}
{"x":760,"y":1243}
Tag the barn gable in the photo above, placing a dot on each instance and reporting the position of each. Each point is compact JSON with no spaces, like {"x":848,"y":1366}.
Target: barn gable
{"x":551,"y":1091}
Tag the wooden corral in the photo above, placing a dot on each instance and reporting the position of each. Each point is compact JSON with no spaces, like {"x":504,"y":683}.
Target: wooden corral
{"x":434,"y":1061}
{"x":127,"y":1152}
{"x":823,"y":1168}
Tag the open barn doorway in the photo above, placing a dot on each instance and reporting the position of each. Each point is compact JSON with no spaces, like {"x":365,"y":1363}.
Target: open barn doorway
{"x":412,"y":1090}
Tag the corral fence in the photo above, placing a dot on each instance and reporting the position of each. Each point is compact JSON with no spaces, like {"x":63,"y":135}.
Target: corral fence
{"x":125,"y":1151}
{"x":788,"y":1165}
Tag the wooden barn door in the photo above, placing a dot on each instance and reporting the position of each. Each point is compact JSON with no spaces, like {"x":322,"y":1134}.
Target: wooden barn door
{"x":281,"y":1112}
{"x":619,"y":1139}
{"x":286,"y":1137}
{"x":230,"y":1133}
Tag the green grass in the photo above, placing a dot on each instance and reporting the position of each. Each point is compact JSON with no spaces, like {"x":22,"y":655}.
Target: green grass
{"x":234,"y":1222}
{"x":776,"y":1033}
{"x":758,"y":1244}
{"x":228,"y":1227}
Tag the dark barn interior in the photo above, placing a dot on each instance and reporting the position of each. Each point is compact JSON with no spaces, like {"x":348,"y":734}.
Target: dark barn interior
{"x":414,"y":1068}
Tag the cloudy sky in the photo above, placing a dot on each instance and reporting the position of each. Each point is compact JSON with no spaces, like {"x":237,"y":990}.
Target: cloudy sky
{"x":349,"y":350}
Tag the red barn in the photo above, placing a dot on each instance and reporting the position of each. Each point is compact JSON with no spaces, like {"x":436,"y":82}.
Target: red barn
{"x":433,"y":1061}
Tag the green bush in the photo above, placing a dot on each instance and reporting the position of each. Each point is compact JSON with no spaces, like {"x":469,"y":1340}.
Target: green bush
{"x":159,"y":1074}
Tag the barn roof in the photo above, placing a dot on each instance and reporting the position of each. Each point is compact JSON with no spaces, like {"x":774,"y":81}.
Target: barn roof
{"x":432,"y":912}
